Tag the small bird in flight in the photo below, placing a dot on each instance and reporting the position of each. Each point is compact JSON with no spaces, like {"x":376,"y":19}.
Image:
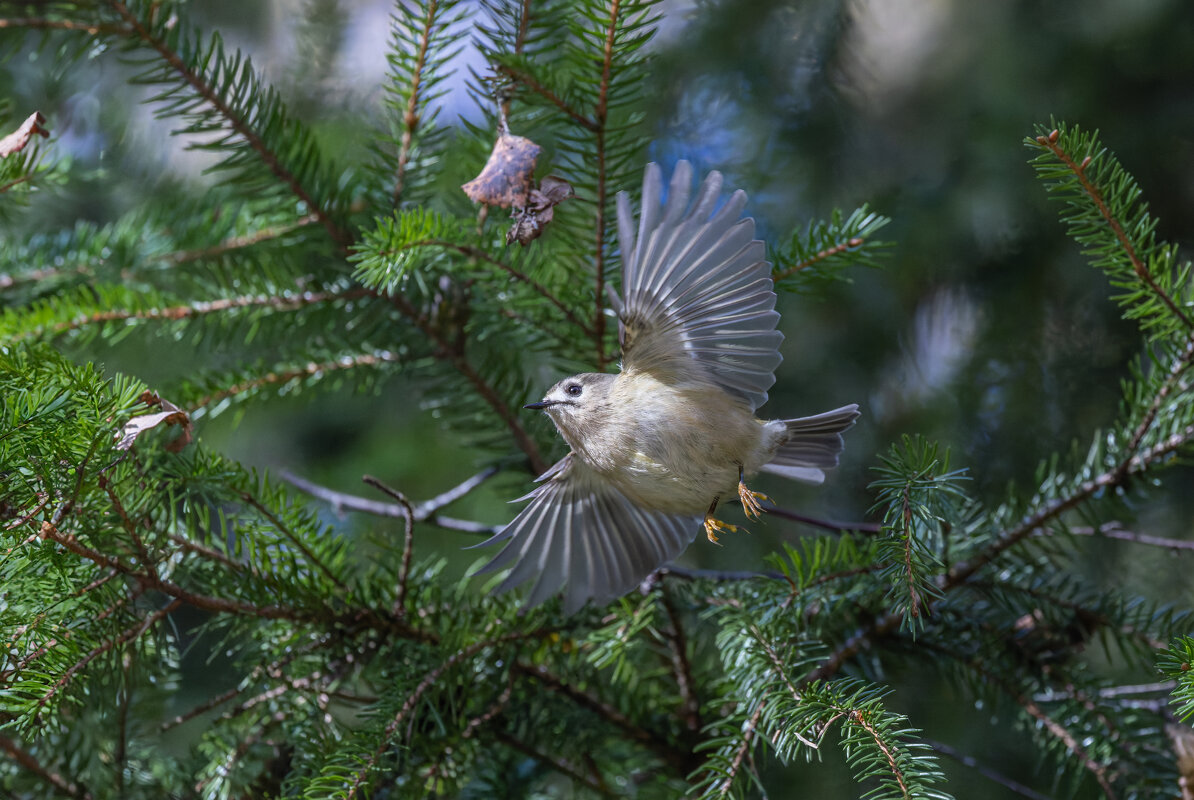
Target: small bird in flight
{"x":657,"y":446}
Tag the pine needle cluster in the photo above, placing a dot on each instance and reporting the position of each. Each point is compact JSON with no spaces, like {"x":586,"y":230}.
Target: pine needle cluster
{"x":132,"y":556}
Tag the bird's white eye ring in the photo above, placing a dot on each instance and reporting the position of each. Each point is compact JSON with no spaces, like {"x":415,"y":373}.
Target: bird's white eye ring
{"x":573,"y":389}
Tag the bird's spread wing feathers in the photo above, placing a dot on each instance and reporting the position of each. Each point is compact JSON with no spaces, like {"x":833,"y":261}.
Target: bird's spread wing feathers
{"x":697,"y":296}
{"x":581,"y":531}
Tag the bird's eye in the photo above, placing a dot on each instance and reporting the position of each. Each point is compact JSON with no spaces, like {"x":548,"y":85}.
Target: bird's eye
{"x":573,"y":389}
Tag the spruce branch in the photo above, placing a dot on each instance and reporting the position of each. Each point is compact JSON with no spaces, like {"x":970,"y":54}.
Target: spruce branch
{"x":827,"y":247}
{"x":282,"y":377}
{"x":477,"y":253}
{"x":451,"y":353}
{"x":275,"y":302}
{"x":240,"y":242}
{"x":128,"y":635}
{"x":561,"y":765}
{"x":601,"y":115}
{"x":677,"y":641}
{"x":410,"y":117}
{"x":523,"y":77}
{"x":1104,"y":199}
{"x":29,"y":762}
{"x":48,"y":23}
{"x":237,"y":119}
{"x":412,"y":701}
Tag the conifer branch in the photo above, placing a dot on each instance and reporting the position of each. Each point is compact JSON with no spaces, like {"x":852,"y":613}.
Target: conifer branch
{"x":412,"y":701}
{"x":857,"y":717}
{"x":206,"y":602}
{"x":237,"y":123}
{"x":234,"y":243}
{"x":524,"y":78}
{"x":125,"y":636}
{"x":680,"y":760}
{"x":481,"y":255}
{"x":273,"y":669}
{"x":44,"y":23}
{"x":201,"y":308}
{"x":1051,"y":142}
{"x":822,"y":255}
{"x":601,"y":117}
{"x":410,"y":117}
{"x":690,"y":706}
{"x":560,"y":765}
{"x":749,"y":731}
{"x":308,"y":370}
{"x":284,"y":529}
{"x":452,"y":354}
{"x":30,"y":762}
{"x":1097,"y":770}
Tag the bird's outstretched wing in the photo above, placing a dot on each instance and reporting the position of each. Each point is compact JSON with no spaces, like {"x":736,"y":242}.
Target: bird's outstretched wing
{"x":697,"y":296}
{"x":580,"y":530}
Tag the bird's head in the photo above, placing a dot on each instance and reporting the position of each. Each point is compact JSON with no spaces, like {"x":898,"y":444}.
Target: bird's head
{"x":578,"y":405}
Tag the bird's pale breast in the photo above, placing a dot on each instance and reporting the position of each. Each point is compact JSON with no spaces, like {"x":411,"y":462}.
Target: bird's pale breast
{"x":676,"y":448}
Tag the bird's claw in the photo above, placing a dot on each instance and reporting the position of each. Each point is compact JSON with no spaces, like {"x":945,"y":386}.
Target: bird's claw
{"x":716,"y":526}
{"x":751,"y":501}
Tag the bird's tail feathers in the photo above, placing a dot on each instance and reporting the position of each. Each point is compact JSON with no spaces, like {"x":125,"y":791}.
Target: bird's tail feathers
{"x":813,"y":444}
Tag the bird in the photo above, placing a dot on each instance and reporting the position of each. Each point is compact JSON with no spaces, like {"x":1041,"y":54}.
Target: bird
{"x":657,"y":446}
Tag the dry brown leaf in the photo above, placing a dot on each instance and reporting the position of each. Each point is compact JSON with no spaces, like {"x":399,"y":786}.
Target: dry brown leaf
{"x":508,"y":176}
{"x":530,"y":221}
{"x":15,"y":142}
{"x":170,"y":415}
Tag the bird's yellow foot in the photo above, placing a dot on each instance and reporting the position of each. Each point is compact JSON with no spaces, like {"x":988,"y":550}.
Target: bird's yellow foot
{"x":716,"y":526}
{"x":751,"y":501}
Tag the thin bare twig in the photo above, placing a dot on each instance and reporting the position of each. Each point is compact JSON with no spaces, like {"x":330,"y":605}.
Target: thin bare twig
{"x":425,"y":511}
{"x":408,"y":542}
{"x":834,"y":526}
{"x":1115,"y":530}
{"x":985,"y":771}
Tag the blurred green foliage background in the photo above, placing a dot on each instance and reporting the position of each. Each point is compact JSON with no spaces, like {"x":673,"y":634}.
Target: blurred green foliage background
{"x":985,"y":330}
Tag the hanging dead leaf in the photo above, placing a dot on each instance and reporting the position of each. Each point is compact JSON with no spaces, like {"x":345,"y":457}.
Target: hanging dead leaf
{"x":170,"y":414}
{"x":15,"y":142}
{"x":508,"y":176}
{"x":530,"y":221}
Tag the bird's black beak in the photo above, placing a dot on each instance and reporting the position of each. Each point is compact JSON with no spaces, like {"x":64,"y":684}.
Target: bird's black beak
{"x":542,"y":404}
